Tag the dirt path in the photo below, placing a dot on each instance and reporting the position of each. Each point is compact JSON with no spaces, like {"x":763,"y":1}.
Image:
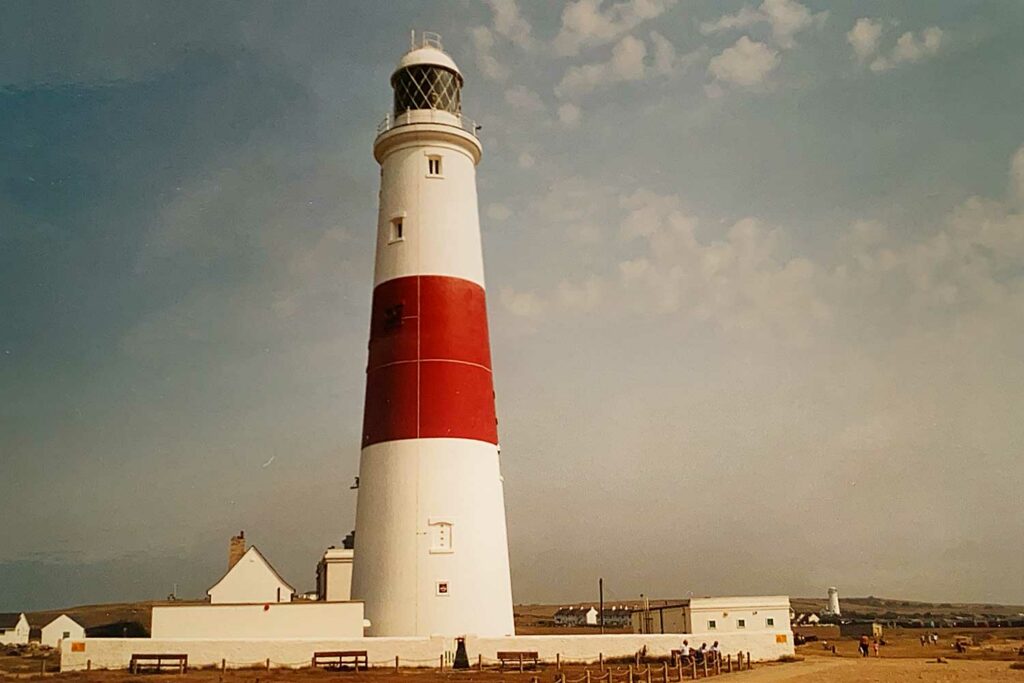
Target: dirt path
{"x":883,"y":671}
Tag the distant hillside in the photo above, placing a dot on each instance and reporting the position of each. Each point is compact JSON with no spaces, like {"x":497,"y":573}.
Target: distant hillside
{"x":872,"y":607}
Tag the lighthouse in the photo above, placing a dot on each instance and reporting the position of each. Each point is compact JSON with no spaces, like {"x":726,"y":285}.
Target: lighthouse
{"x":431,"y":548}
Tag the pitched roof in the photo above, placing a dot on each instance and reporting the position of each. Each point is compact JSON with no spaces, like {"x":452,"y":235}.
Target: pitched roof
{"x":9,"y":620}
{"x":266,"y":563}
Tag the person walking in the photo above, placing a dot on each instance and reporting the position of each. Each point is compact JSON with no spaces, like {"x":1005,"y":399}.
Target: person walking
{"x":864,"y":646}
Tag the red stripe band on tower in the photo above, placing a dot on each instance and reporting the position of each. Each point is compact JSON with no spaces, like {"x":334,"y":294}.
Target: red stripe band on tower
{"x":429,"y":373}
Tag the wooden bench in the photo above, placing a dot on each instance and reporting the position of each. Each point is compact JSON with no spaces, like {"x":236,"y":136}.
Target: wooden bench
{"x":520,"y":656}
{"x":156,"y":663}
{"x":339,"y":658}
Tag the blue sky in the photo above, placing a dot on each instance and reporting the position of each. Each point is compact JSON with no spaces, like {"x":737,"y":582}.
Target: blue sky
{"x":755,"y":276}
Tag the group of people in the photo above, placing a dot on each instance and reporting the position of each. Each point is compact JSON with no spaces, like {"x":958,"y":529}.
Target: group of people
{"x":929,"y":639}
{"x":867,"y":645}
{"x":701,"y":654}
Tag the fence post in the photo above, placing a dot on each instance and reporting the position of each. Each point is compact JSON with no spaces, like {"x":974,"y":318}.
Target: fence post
{"x":664,"y":672}
{"x":558,"y":661}
{"x":440,"y":662}
{"x":396,"y":663}
{"x":728,"y":663}
{"x":630,"y":679}
{"x":268,"y":663}
{"x":648,"y":673}
{"x":223,"y":664}
{"x":479,"y":662}
{"x":718,"y":665}
{"x":705,"y":663}
{"x":679,"y":668}
{"x":520,"y":662}
{"x":586,"y":673}
{"x":88,"y":665}
{"x":600,"y":660}
{"x":750,"y":665}
{"x":693,"y":669}
{"x":42,"y":666}
{"x":636,"y":659}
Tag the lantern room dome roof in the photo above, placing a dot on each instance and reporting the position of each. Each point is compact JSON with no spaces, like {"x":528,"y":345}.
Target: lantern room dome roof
{"x":427,"y":56}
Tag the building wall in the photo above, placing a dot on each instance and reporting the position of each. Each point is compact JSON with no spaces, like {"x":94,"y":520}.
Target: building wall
{"x":728,"y":613}
{"x":334,"y":575}
{"x":661,"y":620}
{"x":17,"y":635}
{"x":250,"y":580}
{"x":115,"y":653}
{"x":53,"y":632}
{"x":284,"y":620}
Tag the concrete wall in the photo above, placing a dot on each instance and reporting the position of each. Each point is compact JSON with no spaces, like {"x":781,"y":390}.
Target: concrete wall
{"x":735,"y":614}
{"x":267,"y":621}
{"x":115,"y":653}
{"x":334,"y":575}
{"x":53,"y":633}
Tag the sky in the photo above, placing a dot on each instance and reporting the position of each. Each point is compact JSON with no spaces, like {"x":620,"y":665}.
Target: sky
{"x":755,"y":276}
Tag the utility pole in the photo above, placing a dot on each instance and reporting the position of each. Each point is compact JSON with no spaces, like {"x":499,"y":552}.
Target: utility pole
{"x":600,"y":598}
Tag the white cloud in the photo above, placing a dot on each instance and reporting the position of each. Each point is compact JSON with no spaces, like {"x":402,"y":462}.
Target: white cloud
{"x":786,"y":18}
{"x":746,"y":64}
{"x":569,"y":115}
{"x":526,"y":160}
{"x":628,"y":62}
{"x":521,"y":97}
{"x":911,"y":49}
{"x":524,"y":304}
{"x":585,"y":23}
{"x":864,"y":37}
{"x":483,"y":46}
{"x":509,"y":23}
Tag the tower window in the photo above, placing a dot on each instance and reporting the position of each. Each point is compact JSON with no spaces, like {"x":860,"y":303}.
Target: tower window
{"x":712,"y":625}
{"x":741,"y":623}
{"x":397,"y":230}
{"x":769,"y":622}
{"x":440,"y":535}
{"x":434,"y":166}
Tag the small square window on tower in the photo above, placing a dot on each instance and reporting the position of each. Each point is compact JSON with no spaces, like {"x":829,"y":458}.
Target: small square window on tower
{"x":442,"y":588}
{"x":741,"y":623}
{"x":397,"y":229}
{"x":434,"y":166}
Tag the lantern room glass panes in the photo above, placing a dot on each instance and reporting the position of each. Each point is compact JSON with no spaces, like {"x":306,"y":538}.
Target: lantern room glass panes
{"x":427,"y":87}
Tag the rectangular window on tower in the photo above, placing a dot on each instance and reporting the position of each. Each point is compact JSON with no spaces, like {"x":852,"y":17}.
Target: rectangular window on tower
{"x":440,"y":536}
{"x":434,"y":166}
{"x":397,"y":230}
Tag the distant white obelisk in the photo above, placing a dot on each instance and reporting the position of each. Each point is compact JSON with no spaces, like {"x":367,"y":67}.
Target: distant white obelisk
{"x":431,"y":550}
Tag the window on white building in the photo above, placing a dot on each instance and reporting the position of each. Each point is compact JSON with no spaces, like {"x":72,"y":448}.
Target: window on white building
{"x":441,"y":536}
{"x":711,"y":625}
{"x":769,"y":621}
{"x":741,"y":623}
{"x":434,"y":166}
{"x":397,"y":230}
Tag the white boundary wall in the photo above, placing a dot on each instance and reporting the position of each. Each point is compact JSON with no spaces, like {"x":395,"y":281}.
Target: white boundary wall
{"x":115,"y":653}
{"x":322,"y":620}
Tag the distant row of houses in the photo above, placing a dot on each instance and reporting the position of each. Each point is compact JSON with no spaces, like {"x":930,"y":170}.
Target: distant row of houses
{"x":588,"y":615}
{"x":15,"y":630}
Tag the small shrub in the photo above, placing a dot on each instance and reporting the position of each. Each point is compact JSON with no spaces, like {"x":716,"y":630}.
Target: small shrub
{"x":1019,"y":666}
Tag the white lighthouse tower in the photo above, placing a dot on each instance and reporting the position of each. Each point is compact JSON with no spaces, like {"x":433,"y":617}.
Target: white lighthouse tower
{"x":431,"y":550}
{"x":833,"y":602}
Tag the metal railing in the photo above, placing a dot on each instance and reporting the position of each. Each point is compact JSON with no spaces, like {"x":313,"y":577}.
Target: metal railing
{"x":422,"y":116}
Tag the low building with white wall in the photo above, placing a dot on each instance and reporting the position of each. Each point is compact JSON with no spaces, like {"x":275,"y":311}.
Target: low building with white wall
{"x":715,"y":617}
{"x":260,"y":621}
{"x":251,"y":579}
{"x":60,"y":629}
{"x":13,"y":628}
{"x":334,"y":574}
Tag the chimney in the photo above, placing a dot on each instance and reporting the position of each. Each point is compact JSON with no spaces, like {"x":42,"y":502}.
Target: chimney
{"x":236,"y":548}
